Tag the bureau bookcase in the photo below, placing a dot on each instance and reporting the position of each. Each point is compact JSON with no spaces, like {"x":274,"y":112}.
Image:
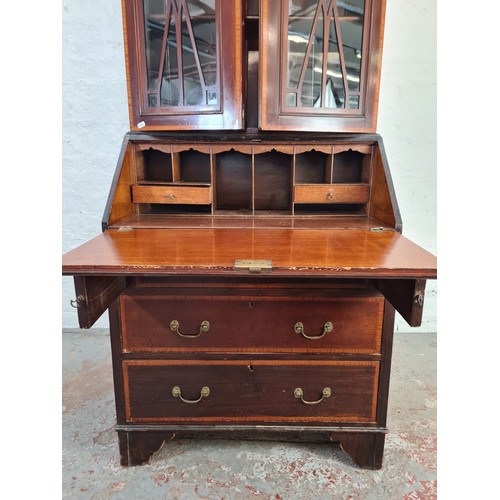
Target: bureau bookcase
{"x":251,"y":256}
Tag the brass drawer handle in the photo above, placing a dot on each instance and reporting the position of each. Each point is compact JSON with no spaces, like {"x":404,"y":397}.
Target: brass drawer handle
{"x":204,"y":393}
{"x":299,"y":394}
{"x":170,"y":197}
{"x":299,"y":328}
{"x":204,"y":327}
{"x":330,"y":196}
{"x":77,"y":303}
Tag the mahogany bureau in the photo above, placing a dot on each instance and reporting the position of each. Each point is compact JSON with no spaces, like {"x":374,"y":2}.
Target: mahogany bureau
{"x":251,"y":257}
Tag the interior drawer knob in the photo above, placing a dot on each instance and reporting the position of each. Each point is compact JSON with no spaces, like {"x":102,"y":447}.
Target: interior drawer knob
{"x":177,"y":393}
{"x":330,"y":196}
{"x":299,"y":328}
{"x":299,"y":394}
{"x":204,"y":327}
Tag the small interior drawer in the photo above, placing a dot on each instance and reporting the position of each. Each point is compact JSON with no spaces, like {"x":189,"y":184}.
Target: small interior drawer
{"x":160,"y":323}
{"x":250,"y":391}
{"x":331,"y":193}
{"x":192,"y":195}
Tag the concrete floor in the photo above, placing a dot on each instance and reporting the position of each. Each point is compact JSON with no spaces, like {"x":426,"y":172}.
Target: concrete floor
{"x":234,"y":470}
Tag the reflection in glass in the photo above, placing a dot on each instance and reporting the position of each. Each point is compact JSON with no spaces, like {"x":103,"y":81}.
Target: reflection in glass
{"x":299,"y":29}
{"x":331,"y":96}
{"x":334,"y":70}
{"x":154,"y":26}
{"x":352,"y":34}
{"x":324,"y":53}
{"x":193,"y":93}
{"x":181,"y":52}
{"x":347,"y":8}
{"x":169,"y":85}
{"x":291,"y":99}
{"x":353,"y":101}
{"x":311,"y":85}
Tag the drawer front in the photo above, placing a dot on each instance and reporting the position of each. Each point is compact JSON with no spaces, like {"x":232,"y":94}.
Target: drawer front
{"x":250,"y":391}
{"x":252,"y":324}
{"x":172,"y":195}
{"x":331,"y":193}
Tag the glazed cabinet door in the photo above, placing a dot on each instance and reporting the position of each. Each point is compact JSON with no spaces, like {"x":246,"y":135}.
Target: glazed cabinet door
{"x":184,"y":64}
{"x":320,"y":64}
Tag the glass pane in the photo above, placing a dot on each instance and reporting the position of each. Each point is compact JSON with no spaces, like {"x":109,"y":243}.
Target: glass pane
{"x":152,"y":101}
{"x":154,"y":25}
{"x":335,"y":82}
{"x":311,"y":85}
{"x":211,"y":97}
{"x":202,"y":13}
{"x":291,"y":100}
{"x":169,"y":87}
{"x":193,"y":91}
{"x":302,"y":8}
{"x":299,"y":30}
{"x":316,"y":61}
{"x":352,"y":39}
{"x":350,"y":7}
{"x":354,"y":102}
{"x":185,"y":75}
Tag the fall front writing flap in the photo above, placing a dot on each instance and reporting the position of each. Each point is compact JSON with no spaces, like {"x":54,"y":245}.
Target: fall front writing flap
{"x":400,"y":266}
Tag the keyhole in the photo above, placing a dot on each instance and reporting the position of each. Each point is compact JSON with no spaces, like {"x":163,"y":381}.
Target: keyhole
{"x":250,"y":368}
{"x":250,"y":304}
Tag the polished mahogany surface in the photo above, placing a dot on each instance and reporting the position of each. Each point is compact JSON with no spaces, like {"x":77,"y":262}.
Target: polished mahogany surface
{"x":251,"y":321}
{"x":243,"y":221}
{"x":348,"y":253}
{"x":250,"y":390}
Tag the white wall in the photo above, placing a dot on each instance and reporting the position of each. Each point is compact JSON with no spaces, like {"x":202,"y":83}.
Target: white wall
{"x":95,"y":119}
{"x":407,"y":123}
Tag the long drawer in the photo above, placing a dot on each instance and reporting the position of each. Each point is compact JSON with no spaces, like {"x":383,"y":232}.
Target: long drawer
{"x":156,"y":323}
{"x":250,"y":391}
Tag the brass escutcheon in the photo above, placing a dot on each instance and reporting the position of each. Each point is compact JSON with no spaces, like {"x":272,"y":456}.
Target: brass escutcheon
{"x":299,"y":394}
{"x":299,"y":328}
{"x":330,"y":196}
{"x":204,"y":327}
